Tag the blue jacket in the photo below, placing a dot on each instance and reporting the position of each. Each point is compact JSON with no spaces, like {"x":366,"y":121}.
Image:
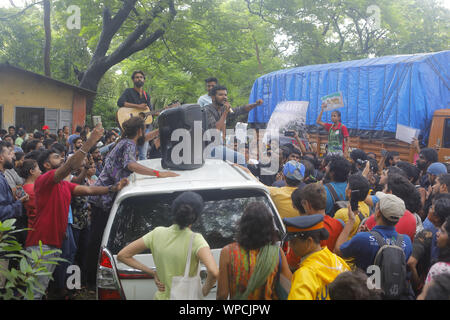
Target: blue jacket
{"x":9,"y":207}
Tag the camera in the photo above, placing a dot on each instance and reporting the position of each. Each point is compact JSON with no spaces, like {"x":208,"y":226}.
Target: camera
{"x":289,"y":133}
{"x":361,"y":162}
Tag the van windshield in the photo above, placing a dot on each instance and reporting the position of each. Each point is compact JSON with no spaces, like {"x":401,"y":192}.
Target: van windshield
{"x":136,"y":216}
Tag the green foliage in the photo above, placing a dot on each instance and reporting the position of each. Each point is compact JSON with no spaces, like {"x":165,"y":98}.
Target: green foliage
{"x":20,"y":283}
{"x":234,"y":40}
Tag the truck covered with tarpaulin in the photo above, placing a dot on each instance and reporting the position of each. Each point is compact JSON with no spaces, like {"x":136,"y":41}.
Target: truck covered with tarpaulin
{"x":378,"y":93}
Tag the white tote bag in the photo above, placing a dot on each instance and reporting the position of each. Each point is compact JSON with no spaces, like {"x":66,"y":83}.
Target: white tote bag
{"x":185,"y":287}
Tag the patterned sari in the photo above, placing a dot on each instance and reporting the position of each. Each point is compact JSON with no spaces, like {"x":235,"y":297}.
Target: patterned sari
{"x":242,"y":265}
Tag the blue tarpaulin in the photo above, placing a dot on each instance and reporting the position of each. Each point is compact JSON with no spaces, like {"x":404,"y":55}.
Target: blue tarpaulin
{"x":378,"y":93}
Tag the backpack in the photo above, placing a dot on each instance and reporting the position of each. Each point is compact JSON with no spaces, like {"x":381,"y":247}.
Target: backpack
{"x":337,"y":202}
{"x":392,"y":262}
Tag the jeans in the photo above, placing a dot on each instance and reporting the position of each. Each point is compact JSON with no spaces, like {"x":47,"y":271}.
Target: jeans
{"x":99,"y":218}
{"x":144,"y":148}
{"x":81,"y":238}
{"x":43,"y":279}
{"x":69,"y":249}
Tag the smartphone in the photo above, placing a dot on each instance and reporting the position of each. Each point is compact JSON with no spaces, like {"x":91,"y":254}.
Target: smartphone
{"x":96,"y":120}
{"x":383,"y":152}
{"x":354,"y":200}
{"x":438,"y":142}
{"x":289,"y":134}
{"x":20,"y":193}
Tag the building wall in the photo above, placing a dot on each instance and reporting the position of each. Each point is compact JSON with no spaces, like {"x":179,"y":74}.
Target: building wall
{"x":18,"y":89}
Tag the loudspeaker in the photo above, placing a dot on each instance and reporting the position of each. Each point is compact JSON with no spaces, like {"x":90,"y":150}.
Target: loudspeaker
{"x":181,"y":133}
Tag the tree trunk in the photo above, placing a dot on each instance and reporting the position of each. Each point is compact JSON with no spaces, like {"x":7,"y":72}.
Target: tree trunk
{"x":136,"y":41}
{"x":48,"y":38}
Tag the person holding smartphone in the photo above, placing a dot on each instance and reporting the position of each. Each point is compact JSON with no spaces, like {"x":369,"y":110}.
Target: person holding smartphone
{"x":356,"y":191}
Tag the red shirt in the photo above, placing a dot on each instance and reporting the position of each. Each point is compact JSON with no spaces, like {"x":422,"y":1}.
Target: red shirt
{"x":334,"y":228}
{"x":30,"y":205}
{"x":52,"y":210}
{"x":406,"y":224}
{"x":328,"y":126}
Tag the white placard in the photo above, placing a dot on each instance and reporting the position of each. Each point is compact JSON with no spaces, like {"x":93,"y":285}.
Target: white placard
{"x":288,"y":115}
{"x":406,"y":134}
{"x":333,"y":101}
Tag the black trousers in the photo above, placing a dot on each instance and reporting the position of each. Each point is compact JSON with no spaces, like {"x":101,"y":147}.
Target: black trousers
{"x":99,"y":218}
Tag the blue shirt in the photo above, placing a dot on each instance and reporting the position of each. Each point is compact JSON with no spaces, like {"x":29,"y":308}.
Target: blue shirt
{"x":9,"y":207}
{"x":434,"y":255}
{"x":364,"y":247}
{"x":340,"y":190}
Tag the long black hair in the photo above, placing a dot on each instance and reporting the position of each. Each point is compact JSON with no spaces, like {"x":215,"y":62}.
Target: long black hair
{"x":256,"y":228}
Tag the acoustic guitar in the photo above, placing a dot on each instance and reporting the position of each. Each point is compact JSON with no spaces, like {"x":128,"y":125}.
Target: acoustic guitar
{"x":124,"y":113}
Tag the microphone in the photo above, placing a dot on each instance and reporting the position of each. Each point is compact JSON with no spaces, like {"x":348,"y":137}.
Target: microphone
{"x":231,"y":109}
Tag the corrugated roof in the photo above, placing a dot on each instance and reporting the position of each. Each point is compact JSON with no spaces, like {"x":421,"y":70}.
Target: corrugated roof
{"x":7,"y":66}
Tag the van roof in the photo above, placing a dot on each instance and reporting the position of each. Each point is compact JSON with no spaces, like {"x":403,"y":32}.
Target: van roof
{"x":212,"y":175}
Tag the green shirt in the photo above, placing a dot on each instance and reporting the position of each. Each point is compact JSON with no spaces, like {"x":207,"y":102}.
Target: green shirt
{"x":169,"y":247}
{"x":18,"y":142}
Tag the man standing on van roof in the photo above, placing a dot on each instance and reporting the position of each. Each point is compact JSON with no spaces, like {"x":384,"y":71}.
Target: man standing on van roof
{"x":337,"y":133}
{"x":206,"y":98}
{"x":137,"y":98}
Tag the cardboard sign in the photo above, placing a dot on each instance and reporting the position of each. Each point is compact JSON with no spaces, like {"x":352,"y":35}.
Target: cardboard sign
{"x":406,"y":134}
{"x":333,"y":101}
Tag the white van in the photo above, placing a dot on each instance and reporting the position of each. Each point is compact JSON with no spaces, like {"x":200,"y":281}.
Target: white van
{"x":145,"y":204}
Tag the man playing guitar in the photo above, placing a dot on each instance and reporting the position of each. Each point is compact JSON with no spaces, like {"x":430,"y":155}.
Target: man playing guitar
{"x":137,"y":98}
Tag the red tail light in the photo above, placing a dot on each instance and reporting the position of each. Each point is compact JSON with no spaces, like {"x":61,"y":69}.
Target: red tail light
{"x":105,"y":261}
{"x":108,"y":286}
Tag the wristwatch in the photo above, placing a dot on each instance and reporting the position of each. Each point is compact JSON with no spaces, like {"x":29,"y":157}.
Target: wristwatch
{"x":110,"y":189}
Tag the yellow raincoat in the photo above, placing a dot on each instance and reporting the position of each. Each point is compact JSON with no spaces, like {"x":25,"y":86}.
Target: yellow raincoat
{"x":316,"y":272}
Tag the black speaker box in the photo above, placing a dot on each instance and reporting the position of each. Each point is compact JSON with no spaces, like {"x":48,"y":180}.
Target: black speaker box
{"x":181,"y":133}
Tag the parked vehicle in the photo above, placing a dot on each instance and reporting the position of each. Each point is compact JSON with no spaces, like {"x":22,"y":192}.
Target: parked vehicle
{"x":378,"y":94}
{"x":145,"y":204}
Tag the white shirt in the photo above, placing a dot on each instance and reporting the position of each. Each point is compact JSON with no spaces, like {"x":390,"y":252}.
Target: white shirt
{"x":204,"y":100}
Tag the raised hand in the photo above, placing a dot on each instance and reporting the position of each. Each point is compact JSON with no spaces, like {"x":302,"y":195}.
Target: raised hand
{"x":97,"y":133}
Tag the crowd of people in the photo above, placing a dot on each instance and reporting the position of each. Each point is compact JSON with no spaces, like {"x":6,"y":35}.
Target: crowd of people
{"x":344,"y":212}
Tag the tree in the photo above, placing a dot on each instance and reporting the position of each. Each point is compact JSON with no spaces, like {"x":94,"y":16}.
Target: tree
{"x":135,"y":41}
{"x":323,"y":31}
{"x":48,"y":38}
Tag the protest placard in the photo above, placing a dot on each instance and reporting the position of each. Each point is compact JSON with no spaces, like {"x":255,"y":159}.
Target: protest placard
{"x":406,"y":134}
{"x":333,"y":101}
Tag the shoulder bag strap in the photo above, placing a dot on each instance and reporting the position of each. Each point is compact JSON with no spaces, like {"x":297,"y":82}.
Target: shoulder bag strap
{"x":399,"y":241}
{"x":188,"y":263}
{"x":333,"y":192}
{"x":378,"y":237}
{"x":361,"y":216}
